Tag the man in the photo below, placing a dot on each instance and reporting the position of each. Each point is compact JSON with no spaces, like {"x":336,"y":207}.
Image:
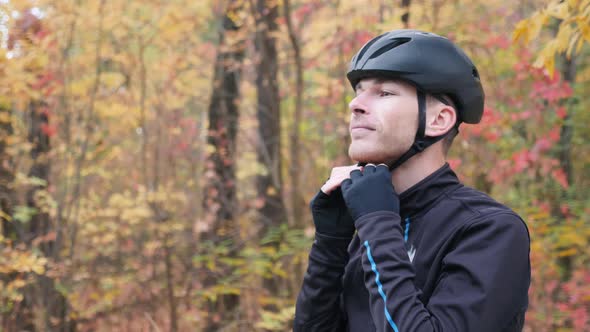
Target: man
{"x":429,"y":254}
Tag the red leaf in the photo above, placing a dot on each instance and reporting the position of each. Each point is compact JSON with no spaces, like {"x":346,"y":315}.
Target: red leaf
{"x":561,"y":112}
{"x":581,"y":318}
{"x":182,"y":146}
{"x":554,"y":134}
{"x":560,"y":177}
{"x":492,"y":136}
{"x":363,"y":36}
{"x":43,"y":80}
{"x":499,"y":41}
{"x":521,"y":161}
{"x":525,"y":115}
{"x":454,"y":163}
{"x":44,"y":110}
{"x":551,"y":88}
{"x":541,"y":146}
{"x":565,"y":209}
{"x":545,"y":207}
{"x":48,"y":129}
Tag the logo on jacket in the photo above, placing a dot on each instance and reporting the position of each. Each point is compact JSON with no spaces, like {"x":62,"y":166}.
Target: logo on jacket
{"x":411,"y":253}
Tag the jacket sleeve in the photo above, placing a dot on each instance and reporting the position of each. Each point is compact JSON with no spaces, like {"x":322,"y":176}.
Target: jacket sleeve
{"x":318,"y":304}
{"x":481,"y":283}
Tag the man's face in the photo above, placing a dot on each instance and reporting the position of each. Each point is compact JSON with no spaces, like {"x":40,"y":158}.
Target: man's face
{"x":384,"y":120}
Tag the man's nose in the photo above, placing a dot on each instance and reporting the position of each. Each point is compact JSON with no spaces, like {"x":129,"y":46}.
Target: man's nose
{"x":357,"y":106}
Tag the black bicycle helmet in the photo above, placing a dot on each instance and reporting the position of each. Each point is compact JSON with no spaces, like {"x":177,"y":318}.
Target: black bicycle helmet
{"x":433,"y":64}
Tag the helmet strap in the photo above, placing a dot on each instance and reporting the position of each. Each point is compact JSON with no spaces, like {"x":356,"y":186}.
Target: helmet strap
{"x":421,"y":142}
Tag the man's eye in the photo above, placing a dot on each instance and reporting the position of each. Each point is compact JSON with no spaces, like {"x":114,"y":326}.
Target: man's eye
{"x":385,"y":93}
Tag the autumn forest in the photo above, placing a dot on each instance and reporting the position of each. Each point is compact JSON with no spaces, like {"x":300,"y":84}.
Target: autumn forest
{"x":157,"y":157}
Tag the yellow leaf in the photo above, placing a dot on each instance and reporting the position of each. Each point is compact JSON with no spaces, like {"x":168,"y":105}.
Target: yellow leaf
{"x":572,"y":44}
{"x":211,"y":265}
{"x":584,"y":27}
{"x":4,"y":101}
{"x":271,"y":191}
{"x":270,"y":251}
{"x":559,"y":11}
{"x":583,"y":75}
{"x":548,"y":63}
{"x":112,"y":79}
{"x":5,"y":216}
{"x":18,"y":283}
{"x":561,"y":41}
{"x":567,"y":252}
{"x":39,"y":269}
{"x":5,"y":117}
{"x":210,"y":148}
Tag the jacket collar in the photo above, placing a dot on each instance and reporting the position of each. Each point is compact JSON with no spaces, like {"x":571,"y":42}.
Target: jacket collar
{"x":420,"y":196}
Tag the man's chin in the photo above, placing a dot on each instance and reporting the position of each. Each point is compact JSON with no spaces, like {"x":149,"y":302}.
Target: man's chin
{"x":366,"y":156}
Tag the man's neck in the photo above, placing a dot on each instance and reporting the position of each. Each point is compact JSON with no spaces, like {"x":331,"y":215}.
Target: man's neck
{"x":416,"y":169}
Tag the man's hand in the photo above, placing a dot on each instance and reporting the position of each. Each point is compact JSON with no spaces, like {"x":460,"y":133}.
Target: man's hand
{"x":338,"y":175}
{"x":330,"y":214}
{"x":370,"y":190}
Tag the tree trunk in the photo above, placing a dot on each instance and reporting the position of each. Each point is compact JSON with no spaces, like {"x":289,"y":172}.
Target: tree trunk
{"x":43,"y":307}
{"x":173,"y":315}
{"x":44,"y":295}
{"x":220,"y":193}
{"x":272,"y":209}
{"x":268,"y":113}
{"x":297,"y":202}
{"x":565,"y":156}
{"x":406,"y":14}
{"x":219,"y":199}
{"x":565,"y":139}
{"x":7,"y":194}
{"x":21,"y":317}
{"x":298,"y":205}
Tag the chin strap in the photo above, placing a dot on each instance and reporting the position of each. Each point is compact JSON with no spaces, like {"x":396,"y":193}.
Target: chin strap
{"x":421,"y":142}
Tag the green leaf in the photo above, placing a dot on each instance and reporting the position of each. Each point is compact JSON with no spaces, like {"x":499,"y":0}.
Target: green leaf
{"x":24,"y":213}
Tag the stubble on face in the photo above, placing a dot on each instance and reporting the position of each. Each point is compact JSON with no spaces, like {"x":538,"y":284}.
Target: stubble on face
{"x":387,"y":148}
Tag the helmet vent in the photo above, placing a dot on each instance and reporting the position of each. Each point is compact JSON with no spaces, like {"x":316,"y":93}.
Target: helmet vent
{"x":367,"y":46}
{"x":394,"y":43}
{"x":474,"y":72}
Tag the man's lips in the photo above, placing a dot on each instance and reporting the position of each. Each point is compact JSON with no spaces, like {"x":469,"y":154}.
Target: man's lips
{"x":361,"y":127}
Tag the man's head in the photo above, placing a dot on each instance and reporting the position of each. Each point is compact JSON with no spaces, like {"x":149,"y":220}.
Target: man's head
{"x":384,"y":119}
{"x":412,"y":90}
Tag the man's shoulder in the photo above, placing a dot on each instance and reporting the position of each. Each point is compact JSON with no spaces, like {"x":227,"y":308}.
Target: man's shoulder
{"x":476,"y":200}
{"x":479,"y":206}
{"x":466,"y":212}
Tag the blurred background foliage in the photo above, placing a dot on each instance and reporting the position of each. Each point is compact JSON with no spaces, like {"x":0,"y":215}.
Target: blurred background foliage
{"x":157,"y":157}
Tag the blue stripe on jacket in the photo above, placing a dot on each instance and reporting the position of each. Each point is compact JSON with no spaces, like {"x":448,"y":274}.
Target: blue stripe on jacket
{"x":380,"y":287}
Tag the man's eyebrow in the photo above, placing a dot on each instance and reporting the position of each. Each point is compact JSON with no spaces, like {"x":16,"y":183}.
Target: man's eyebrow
{"x":382,"y":80}
{"x":377,"y":81}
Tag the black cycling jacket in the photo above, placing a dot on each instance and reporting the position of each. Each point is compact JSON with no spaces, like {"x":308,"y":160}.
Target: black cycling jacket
{"x":455,"y":260}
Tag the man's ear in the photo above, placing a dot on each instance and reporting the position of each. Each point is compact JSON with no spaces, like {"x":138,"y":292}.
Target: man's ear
{"x":440,"y":118}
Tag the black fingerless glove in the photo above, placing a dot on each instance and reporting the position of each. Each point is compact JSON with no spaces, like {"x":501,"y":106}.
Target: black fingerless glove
{"x":369,"y":191}
{"x":330,"y":215}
